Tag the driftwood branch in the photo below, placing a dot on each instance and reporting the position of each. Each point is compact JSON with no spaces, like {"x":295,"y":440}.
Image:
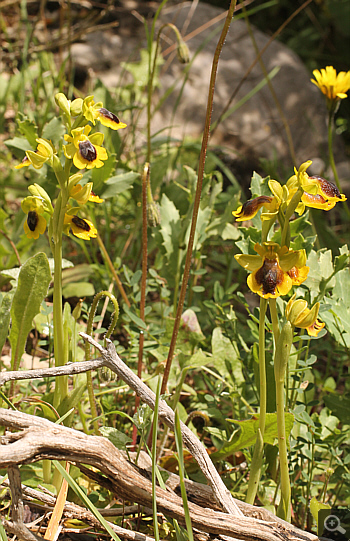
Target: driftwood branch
{"x":167,"y":416}
{"x":111,"y":360}
{"x":40,"y":439}
{"x":74,"y":511}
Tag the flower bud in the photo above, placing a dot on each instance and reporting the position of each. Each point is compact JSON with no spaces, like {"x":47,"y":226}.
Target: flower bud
{"x":153,"y":213}
{"x":77,"y":309}
{"x":299,"y":315}
{"x":76,"y":107}
{"x":63,"y":103}
{"x":81,"y":193}
{"x":38,"y":191}
{"x":73,"y":180}
{"x":183,"y":52}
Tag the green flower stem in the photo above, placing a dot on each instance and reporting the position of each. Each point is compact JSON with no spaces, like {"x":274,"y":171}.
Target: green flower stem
{"x":55,"y":236}
{"x":197,"y":198}
{"x":282,"y":353}
{"x":92,"y":313}
{"x":274,"y":319}
{"x":113,"y":271}
{"x":255,"y":469}
{"x":60,"y":389}
{"x":151,"y":72}
{"x":285,"y":240}
{"x":146,"y":187}
{"x":331,"y":156}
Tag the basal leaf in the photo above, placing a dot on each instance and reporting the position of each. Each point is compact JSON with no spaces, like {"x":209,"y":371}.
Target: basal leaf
{"x":170,"y":226}
{"x":321,"y":269}
{"x":115,"y":436}
{"x":33,"y":281}
{"x":78,"y":289}
{"x":29,"y":130}
{"x":19,"y":143}
{"x":226,"y":358}
{"x":118,"y":184}
{"x":54,"y":130}
{"x":246,"y":437}
{"x":5,"y":312}
{"x":339,"y":406}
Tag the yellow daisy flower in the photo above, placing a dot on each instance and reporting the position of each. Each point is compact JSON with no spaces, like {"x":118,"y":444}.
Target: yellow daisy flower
{"x":334,"y":86}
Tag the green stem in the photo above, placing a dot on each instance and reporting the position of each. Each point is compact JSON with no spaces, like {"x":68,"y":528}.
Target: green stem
{"x":92,"y":312}
{"x":197,"y":195}
{"x":274,"y":320}
{"x":285,"y":239}
{"x":113,"y":271}
{"x":331,"y":156}
{"x":61,"y":388}
{"x":145,"y":186}
{"x":255,"y":469}
{"x":282,"y":353}
{"x":151,"y":72}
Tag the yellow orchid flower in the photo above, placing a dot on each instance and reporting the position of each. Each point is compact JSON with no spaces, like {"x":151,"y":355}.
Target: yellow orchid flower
{"x":81,"y":228}
{"x":85,"y":149}
{"x":270,"y":269}
{"x":44,"y":153}
{"x":95,"y":111}
{"x":35,"y":223}
{"x":299,"y":315}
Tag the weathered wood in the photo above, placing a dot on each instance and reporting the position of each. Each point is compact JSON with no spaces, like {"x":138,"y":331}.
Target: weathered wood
{"x":40,"y":439}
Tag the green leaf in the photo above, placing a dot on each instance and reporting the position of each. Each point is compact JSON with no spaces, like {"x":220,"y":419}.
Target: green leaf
{"x":3,"y":536}
{"x":315,"y":506}
{"x":247,"y":435}
{"x":226,"y":358}
{"x":78,"y":289}
{"x":18,"y":142}
{"x":66,"y":264}
{"x":337,"y":317}
{"x":137,"y":320}
{"x":139,"y":70}
{"x":29,"y":130}
{"x":118,"y":184}
{"x":115,"y":436}
{"x":200,"y":358}
{"x":321,"y":269}
{"x":85,"y":500}
{"x":54,"y":131}
{"x":33,"y":282}
{"x":170,"y":226}
{"x":5,"y":313}
{"x":339,"y":406}
{"x":71,"y":401}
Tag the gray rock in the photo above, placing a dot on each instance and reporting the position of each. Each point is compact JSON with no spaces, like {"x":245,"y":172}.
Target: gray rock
{"x":255,"y":129}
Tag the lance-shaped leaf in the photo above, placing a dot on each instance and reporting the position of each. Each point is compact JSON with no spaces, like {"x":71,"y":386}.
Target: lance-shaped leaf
{"x":33,"y":282}
{"x":5,"y":307}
